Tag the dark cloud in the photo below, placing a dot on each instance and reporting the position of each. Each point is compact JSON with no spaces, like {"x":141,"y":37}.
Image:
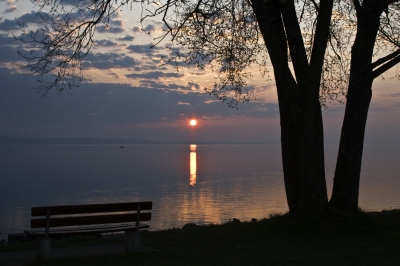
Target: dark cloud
{"x":154,"y":27}
{"x":154,"y":75}
{"x":126,"y":38}
{"x":112,"y":101}
{"x":109,"y":60}
{"x":26,"y":19}
{"x":115,"y":26}
{"x":136,"y":29}
{"x":110,"y":29}
{"x":71,"y":2}
{"x":106,"y":43}
{"x":116,"y":22}
{"x":143,"y":49}
{"x":151,"y":27}
{"x":151,"y":83}
{"x":144,"y":66}
{"x":6,"y":40}
{"x":96,"y":109}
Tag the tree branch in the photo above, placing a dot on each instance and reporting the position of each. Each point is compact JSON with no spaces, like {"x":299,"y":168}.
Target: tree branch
{"x":382,"y":69}
{"x":294,"y":37}
{"x":383,"y":60}
{"x":320,"y":43}
{"x":315,"y":5}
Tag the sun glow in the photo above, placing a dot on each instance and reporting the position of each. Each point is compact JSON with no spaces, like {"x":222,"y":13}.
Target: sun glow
{"x":193,"y":122}
{"x":193,"y":165}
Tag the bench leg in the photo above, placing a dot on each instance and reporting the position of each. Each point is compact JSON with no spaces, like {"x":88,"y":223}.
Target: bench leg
{"x":132,"y":240}
{"x":43,"y":248}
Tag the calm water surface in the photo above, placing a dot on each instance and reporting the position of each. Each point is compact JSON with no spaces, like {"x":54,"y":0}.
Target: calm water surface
{"x":206,"y":184}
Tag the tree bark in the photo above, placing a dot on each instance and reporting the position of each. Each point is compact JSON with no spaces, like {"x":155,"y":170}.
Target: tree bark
{"x":348,"y":167}
{"x":313,"y":198}
{"x":290,"y":154}
{"x":300,"y":111}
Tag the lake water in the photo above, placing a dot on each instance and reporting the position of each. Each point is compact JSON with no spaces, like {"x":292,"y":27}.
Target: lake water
{"x":210,"y":184}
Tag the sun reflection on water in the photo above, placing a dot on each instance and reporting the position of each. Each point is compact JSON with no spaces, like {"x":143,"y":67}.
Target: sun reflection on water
{"x":193,"y":165}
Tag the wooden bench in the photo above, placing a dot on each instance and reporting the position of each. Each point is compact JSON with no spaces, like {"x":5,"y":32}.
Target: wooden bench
{"x":67,"y":220}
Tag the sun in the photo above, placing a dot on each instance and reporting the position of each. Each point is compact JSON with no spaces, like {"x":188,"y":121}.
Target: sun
{"x":193,"y":122}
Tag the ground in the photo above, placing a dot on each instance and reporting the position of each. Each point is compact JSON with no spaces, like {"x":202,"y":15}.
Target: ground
{"x":364,"y":239}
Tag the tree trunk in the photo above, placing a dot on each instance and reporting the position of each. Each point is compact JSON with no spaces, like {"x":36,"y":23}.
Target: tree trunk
{"x":348,"y":166}
{"x":303,"y":158}
{"x":300,"y":111}
{"x":346,"y":180}
{"x":313,"y":198}
{"x":290,"y":156}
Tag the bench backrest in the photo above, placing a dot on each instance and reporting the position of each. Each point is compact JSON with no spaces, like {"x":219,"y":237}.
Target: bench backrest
{"x":101,"y":214}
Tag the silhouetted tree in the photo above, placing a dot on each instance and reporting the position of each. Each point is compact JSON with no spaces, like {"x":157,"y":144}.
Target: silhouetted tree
{"x":378,"y":33}
{"x":308,"y":44}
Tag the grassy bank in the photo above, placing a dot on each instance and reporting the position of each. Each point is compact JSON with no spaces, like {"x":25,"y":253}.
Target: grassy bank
{"x":367,"y":239}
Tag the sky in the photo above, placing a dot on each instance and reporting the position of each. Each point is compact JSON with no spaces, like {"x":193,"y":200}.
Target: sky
{"x":130,"y":95}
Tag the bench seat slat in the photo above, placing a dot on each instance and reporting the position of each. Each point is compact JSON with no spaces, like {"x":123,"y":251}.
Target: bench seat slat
{"x":86,"y":220}
{"x":92,"y":208}
{"x":86,"y":227}
{"x":86,"y":230}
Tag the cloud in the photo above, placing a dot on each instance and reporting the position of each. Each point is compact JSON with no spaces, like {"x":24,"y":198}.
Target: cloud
{"x":158,"y":84}
{"x":115,"y":25}
{"x":155,"y":27}
{"x":116,"y":22}
{"x":108,"y":60}
{"x":106,"y":109}
{"x":189,"y":87}
{"x":6,"y":40}
{"x":136,"y":29}
{"x":126,"y":38}
{"x":32,"y":18}
{"x":113,"y":30}
{"x":11,"y":9}
{"x":152,"y":27}
{"x":143,"y":49}
{"x":155,"y":75}
{"x":72,"y":2}
{"x":106,"y":43}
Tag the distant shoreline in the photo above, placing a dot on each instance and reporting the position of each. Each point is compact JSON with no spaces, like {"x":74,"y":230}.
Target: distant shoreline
{"x":97,"y":141}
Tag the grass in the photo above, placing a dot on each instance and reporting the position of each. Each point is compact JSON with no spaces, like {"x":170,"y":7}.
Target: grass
{"x":363,"y":239}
